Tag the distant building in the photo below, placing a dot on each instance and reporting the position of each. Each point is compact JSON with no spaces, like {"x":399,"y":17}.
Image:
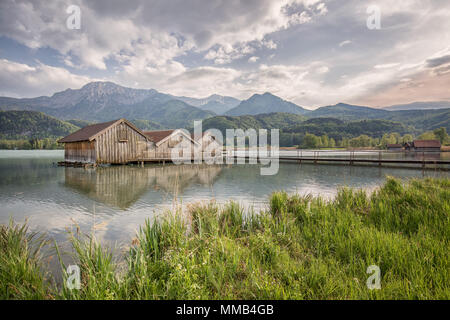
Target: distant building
{"x":426,"y":145}
{"x":117,"y":141}
{"x":394,"y":147}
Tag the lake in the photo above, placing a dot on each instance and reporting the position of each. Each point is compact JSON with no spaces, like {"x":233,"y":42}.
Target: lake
{"x":112,"y":202}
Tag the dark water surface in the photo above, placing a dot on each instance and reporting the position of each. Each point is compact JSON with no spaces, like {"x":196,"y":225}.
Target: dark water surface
{"x":112,"y":202}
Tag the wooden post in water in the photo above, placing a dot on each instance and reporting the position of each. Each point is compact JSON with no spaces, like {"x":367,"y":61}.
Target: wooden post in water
{"x":423,"y":160}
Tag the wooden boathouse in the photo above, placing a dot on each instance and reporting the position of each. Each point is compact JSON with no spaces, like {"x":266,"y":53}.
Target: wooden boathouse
{"x":113,"y":142}
{"x":170,"y":144}
{"x":426,"y":145}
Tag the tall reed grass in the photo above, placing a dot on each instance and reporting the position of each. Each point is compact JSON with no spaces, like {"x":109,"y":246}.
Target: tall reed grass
{"x":301,"y":247}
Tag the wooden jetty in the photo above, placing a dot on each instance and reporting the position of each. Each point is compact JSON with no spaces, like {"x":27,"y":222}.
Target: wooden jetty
{"x":350,"y":160}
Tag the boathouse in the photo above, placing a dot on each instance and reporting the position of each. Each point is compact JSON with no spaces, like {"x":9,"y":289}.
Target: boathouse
{"x":170,"y":144}
{"x":426,"y":145}
{"x":113,"y":142}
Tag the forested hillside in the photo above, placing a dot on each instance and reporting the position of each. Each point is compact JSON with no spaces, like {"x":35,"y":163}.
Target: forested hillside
{"x":296,"y":129}
{"x":32,"y":124}
{"x":31,"y":130}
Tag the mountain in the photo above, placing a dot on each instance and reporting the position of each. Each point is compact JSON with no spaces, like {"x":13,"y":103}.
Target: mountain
{"x":103,"y":101}
{"x":96,"y":95}
{"x":32,"y":124}
{"x":423,"y":119}
{"x":345,"y":111}
{"x":420,"y":119}
{"x":85,"y":103}
{"x":214,"y":103}
{"x":338,"y":129}
{"x":420,"y":106}
{"x":261,"y":121}
{"x":294,"y":127}
{"x":80,"y":123}
{"x":264,"y":103}
{"x":170,"y":114}
{"x":147,"y":125}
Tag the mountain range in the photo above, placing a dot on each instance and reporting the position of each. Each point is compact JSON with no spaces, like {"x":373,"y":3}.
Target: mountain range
{"x":291,"y":124}
{"x":420,"y":106}
{"x":104,"y":101}
{"x":214,"y":103}
{"x":264,"y":103}
{"x":426,"y":119}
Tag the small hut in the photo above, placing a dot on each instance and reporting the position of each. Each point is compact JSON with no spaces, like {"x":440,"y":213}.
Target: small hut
{"x":114,"y":142}
{"x":426,"y":145}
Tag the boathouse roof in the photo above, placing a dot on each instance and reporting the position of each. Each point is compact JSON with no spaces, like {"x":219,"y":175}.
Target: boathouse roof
{"x":427,"y":144}
{"x":158,"y":135}
{"x":89,"y":133}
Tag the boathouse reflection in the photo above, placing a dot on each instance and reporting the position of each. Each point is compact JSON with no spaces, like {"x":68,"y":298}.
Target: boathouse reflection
{"x":122,"y":186}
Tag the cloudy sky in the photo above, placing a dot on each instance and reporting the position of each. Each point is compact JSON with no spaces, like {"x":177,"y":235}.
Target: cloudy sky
{"x":311,"y":52}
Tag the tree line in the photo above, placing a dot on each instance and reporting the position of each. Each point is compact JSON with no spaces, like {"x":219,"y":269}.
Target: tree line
{"x":311,"y":141}
{"x":30,"y":144}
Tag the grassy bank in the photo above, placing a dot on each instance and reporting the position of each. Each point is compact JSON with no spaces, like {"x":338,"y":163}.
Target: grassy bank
{"x":301,"y":248}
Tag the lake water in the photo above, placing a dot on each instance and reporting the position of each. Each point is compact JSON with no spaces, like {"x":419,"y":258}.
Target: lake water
{"x":112,"y":202}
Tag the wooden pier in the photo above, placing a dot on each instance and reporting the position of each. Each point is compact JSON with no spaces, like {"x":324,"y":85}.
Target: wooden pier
{"x":350,"y":160}
{"x":417,"y":160}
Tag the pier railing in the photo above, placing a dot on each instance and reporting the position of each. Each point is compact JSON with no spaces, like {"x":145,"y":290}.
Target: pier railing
{"x":345,"y":156}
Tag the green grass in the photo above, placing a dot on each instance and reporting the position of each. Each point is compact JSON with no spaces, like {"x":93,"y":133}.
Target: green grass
{"x":21,"y":276}
{"x":302,"y":247}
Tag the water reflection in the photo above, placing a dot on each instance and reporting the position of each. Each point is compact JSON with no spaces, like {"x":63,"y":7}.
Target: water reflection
{"x":112,"y":202}
{"x":122,"y":186}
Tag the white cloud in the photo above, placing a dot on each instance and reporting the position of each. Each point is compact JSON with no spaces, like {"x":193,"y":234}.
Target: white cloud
{"x":21,"y":80}
{"x":322,"y":8}
{"x":200,"y":82}
{"x":322,"y":70}
{"x":344,"y":43}
{"x":223,"y":54}
{"x":269,"y":44}
{"x":111,"y":30}
{"x":227,"y":53}
{"x":300,"y":18}
{"x":386,"y":66}
{"x":253,"y":59}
